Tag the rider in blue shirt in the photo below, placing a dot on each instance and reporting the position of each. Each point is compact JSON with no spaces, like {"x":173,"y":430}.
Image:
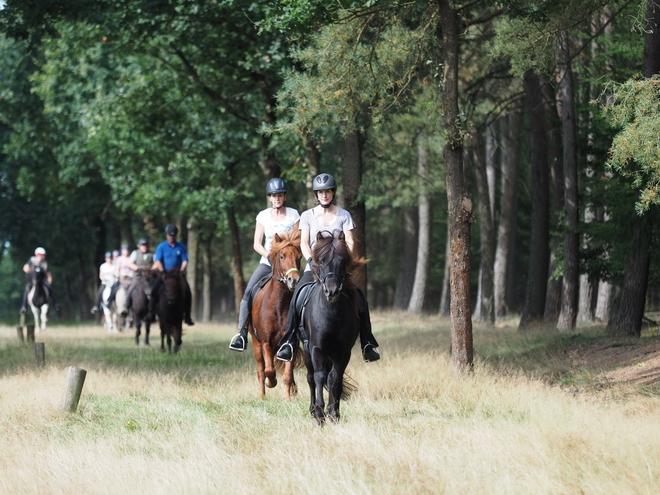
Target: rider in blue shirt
{"x":170,"y":254}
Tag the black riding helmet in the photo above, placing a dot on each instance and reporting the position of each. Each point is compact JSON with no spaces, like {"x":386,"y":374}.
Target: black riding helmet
{"x":275,"y":186}
{"x":142,"y":241}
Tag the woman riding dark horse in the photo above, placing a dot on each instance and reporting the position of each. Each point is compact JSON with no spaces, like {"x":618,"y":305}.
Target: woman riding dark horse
{"x":325,"y":217}
{"x":278,"y":219}
{"x":138,"y":302}
{"x":332,"y":323}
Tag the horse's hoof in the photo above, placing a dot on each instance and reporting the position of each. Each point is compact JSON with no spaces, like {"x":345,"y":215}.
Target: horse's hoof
{"x":271,"y":384}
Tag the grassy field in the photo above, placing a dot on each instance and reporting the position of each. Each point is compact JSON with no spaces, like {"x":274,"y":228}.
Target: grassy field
{"x":533,"y":418}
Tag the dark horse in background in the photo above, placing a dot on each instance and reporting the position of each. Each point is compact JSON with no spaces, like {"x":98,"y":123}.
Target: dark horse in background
{"x":139,"y":303}
{"x":38,"y":298}
{"x":171,"y":308}
{"x":332,"y":323}
{"x":270,"y":310}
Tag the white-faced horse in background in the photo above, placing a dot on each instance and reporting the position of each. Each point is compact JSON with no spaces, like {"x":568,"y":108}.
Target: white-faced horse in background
{"x":113,"y":322}
{"x":38,"y":298}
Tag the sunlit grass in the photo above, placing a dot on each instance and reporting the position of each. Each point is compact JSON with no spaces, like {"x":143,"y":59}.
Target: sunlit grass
{"x":193,"y":423}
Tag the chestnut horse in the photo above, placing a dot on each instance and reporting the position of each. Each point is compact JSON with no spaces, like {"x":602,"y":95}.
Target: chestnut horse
{"x":332,"y":322}
{"x":270,"y":310}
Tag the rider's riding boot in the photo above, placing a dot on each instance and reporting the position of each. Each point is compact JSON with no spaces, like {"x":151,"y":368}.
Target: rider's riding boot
{"x":369,"y":353}
{"x":94,"y":310}
{"x":285,"y":353}
{"x":23,"y":310}
{"x":239,"y":341}
{"x":57,"y":306}
{"x":188,"y":320}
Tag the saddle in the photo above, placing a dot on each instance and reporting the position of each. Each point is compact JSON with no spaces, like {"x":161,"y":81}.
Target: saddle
{"x":301,"y":301}
{"x":259,"y":285}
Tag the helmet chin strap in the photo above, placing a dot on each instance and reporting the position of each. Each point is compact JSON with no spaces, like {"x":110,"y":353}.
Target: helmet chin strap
{"x":326,"y":206}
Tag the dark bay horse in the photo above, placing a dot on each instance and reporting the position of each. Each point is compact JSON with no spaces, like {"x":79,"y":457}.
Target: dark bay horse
{"x":38,"y":298}
{"x":270,"y":310}
{"x":171,"y":308}
{"x":139,"y":296}
{"x":331,"y":320}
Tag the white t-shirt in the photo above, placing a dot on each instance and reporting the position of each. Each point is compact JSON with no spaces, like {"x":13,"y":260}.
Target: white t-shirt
{"x":272,"y":227}
{"x":343,"y":221}
{"x":108,"y":273}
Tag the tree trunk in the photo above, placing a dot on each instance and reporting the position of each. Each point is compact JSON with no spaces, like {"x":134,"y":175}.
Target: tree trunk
{"x":424,"y":239}
{"x":351,"y":164}
{"x":445,"y":297}
{"x":404,"y":283}
{"x":505,"y":231}
{"x":191,"y":270}
{"x":206,"y":280}
{"x":237,"y":261}
{"x":459,"y":205}
{"x":485,"y":301}
{"x":569,"y":297}
{"x":628,"y":317}
{"x":553,"y":293}
{"x":539,"y":255}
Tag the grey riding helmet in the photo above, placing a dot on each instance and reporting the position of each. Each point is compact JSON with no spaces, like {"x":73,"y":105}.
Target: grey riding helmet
{"x":275,"y":186}
{"x":143,"y":241}
{"x":324,"y":181}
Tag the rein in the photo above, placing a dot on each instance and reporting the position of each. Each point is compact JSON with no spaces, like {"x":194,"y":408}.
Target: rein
{"x":325,"y":277}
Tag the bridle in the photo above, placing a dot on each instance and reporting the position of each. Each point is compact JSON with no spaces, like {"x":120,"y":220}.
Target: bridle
{"x":282,"y":278}
{"x":332,"y":274}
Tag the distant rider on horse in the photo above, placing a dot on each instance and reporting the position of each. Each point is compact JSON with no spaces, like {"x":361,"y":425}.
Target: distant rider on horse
{"x":108,"y":277}
{"x":38,"y":260}
{"x":170,"y":254}
{"x":141,"y":259}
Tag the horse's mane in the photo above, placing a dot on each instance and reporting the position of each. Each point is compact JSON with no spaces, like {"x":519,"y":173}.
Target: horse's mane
{"x":290,"y":238}
{"x":328,"y":243}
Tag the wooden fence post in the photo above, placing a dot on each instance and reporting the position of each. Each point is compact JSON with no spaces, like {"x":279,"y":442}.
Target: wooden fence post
{"x":30,"y":334}
{"x":40,"y":354}
{"x":74,"y":384}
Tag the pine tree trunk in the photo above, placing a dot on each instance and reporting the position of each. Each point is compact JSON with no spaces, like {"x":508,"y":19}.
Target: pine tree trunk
{"x":445,"y":298}
{"x":485,"y":310}
{"x":191,"y":269}
{"x":459,"y":205}
{"x":237,"y":261}
{"x":539,"y":256}
{"x":553,"y":292}
{"x":352,"y":180}
{"x":405,"y":281}
{"x":627,"y":319}
{"x":570,"y":280}
{"x":506,"y":228}
{"x":206,"y":280}
{"x":416,"y":303}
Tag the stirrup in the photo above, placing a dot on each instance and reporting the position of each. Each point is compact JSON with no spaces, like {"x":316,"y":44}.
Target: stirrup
{"x":23,"y":310}
{"x":369,"y":353}
{"x":285,"y":353}
{"x":238,"y":343}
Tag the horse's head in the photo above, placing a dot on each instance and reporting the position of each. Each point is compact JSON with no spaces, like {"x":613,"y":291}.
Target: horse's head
{"x":172,"y":284}
{"x":331,"y":255}
{"x":285,"y":257}
{"x":38,"y":275}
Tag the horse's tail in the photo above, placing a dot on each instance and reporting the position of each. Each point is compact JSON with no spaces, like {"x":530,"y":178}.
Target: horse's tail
{"x":349,"y":386}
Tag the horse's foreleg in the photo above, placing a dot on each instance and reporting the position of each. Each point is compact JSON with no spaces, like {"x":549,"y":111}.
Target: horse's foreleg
{"x":335,"y":390}
{"x":269,"y":371}
{"x":147,"y":328}
{"x":138,"y":326}
{"x":320,"y":379}
{"x":177,"y":338}
{"x":44,"y":317}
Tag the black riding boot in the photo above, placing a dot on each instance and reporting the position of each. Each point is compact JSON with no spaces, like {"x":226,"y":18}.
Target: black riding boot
{"x":368,"y":342}
{"x":24,"y":303}
{"x":289,"y":341}
{"x":239,"y":342}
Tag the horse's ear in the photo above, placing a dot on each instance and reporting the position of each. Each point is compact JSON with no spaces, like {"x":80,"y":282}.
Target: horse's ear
{"x":319,"y":236}
{"x":341,"y":236}
{"x":277,"y":238}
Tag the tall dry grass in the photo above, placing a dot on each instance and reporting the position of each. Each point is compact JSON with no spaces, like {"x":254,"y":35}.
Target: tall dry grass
{"x":193,"y":423}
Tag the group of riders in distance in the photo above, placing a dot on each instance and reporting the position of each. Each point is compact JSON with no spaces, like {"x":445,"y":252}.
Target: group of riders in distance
{"x":325,"y":307}
{"x":125,"y":269}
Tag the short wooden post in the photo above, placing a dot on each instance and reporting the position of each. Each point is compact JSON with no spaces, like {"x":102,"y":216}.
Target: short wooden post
{"x":30,"y":334}
{"x":19,"y":334}
{"x":74,"y":384}
{"x":40,"y":354}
